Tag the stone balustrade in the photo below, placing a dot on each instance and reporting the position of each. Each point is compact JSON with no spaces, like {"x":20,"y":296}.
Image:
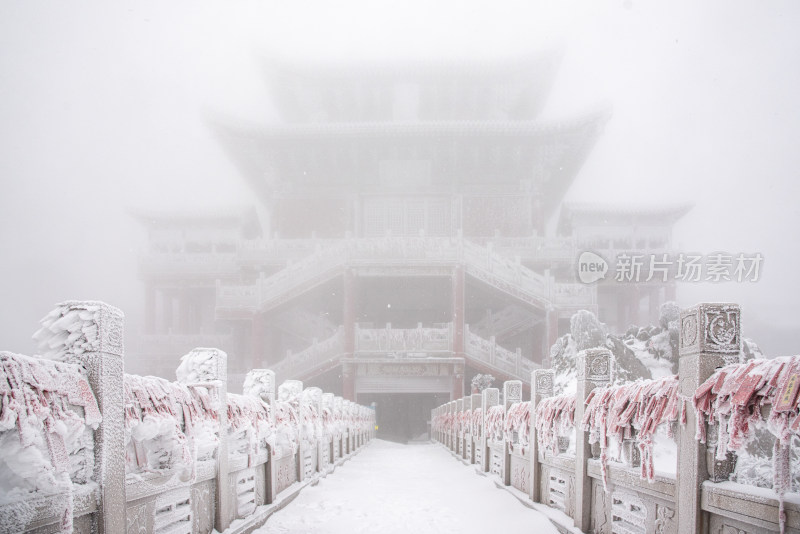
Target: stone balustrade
{"x":325,"y":261}
{"x":590,"y":455}
{"x":148,"y":455}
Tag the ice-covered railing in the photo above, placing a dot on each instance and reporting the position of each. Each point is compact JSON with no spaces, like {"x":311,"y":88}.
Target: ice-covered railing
{"x":56,"y":421}
{"x":631,"y":412}
{"x":494,"y":423}
{"x":47,"y":415}
{"x":738,"y":399}
{"x":477,"y":422}
{"x":310,"y":417}
{"x":464,"y":422}
{"x":169,"y":427}
{"x":251,"y":432}
{"x":555,"y":423}
{"x":287,"y":418}
{"x":85,"y":447}
{"x":517,"y":426}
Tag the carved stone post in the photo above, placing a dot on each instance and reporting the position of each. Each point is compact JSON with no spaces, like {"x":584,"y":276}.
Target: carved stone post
{"x":261,"y":383}
{"x":476,"y":404}
{"x":458,"y":311}
{"x":459,"y":442}
{"x":337,"y":412}
{"x":541,"y":388}
{"x":466,"y":440}
{"x":453,"y":434}
{"x":102,"y":356}
{"x":327,"y":404}
{"x":312,"y":396}
{"x":708,"y":333}
{"x":210,"y":368}
{"x":489,"y":397}
{"x":512,"y":393}
{"x":594,"y":369}
{"x":291,"y":391}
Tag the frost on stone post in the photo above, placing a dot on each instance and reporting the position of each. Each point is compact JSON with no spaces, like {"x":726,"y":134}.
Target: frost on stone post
{"x":290,"y":391}
{"x":89,"y":334}
{"x":202,"y":366}
{"x":46,"y":439}
{"x":77,"y":327}
{"x":260,"y":383}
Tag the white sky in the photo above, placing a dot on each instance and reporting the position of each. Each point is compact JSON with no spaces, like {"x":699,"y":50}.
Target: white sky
{"x":104,"y":106}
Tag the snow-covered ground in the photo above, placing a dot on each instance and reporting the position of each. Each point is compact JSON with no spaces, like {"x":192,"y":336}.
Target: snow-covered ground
{"x":390,"y":488}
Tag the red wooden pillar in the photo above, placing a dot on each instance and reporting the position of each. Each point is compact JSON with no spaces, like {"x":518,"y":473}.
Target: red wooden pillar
{"x":458,"y":311}
{"x":550,"y":333}
{"x":349,"y":324}
{"x":457,"y":390}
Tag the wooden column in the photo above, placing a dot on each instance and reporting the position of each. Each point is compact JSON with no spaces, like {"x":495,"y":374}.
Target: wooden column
{"x":550,"y":333}
{"x":458,"y":311}
{"x":349,"y":314}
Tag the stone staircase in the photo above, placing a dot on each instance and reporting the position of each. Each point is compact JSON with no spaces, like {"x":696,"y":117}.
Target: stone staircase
{"x":506,"y":275}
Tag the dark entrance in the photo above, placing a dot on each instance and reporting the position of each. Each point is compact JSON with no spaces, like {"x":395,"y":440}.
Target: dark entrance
{"x":402,"y":417}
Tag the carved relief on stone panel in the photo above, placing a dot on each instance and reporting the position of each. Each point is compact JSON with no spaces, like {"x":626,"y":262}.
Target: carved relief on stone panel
{"x":594,"y":365}
{"x":111,"y":330}
{"x":139,"y":518}
{"x":544,"y":383}
{"x":689,"y":333}
{"x":569,"y":505}
{"x":514,"y":391}
{"x":203,"y":507}
{"x":665,"y":522}
{"x":600,"y":524}
{"x":721,"y":332}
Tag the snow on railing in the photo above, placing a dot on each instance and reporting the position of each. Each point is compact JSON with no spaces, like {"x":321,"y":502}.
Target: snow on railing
{"x":47,"y":414}
{"x":494,"y":423}
{"x":250,"y":429}
{"x":464,"y":419}
{"x":169,"y":427}
{"x":631,"y":411}
{"x":555,"y":419}
{"x":158,"y":450}
{"x":517,"y":426}
{"x":477,"y":422}
{"x":737,"y":399}
{"x":69,"y":330}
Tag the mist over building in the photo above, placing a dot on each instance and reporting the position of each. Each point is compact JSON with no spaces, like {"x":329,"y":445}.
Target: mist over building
{"x":398,"y":242}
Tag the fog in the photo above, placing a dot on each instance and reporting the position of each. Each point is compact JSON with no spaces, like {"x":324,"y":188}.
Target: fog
{"x":107,"y":106}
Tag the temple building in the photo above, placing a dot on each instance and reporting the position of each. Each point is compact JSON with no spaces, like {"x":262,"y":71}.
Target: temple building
{"x":398,"y":241}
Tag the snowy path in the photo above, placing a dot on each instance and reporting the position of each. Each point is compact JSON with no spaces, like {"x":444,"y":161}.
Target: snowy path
{"x":390,"y":488}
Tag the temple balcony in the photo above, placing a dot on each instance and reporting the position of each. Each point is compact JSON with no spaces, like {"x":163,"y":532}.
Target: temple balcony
{"x":406,"y":345}
{"x":386,"y":256}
